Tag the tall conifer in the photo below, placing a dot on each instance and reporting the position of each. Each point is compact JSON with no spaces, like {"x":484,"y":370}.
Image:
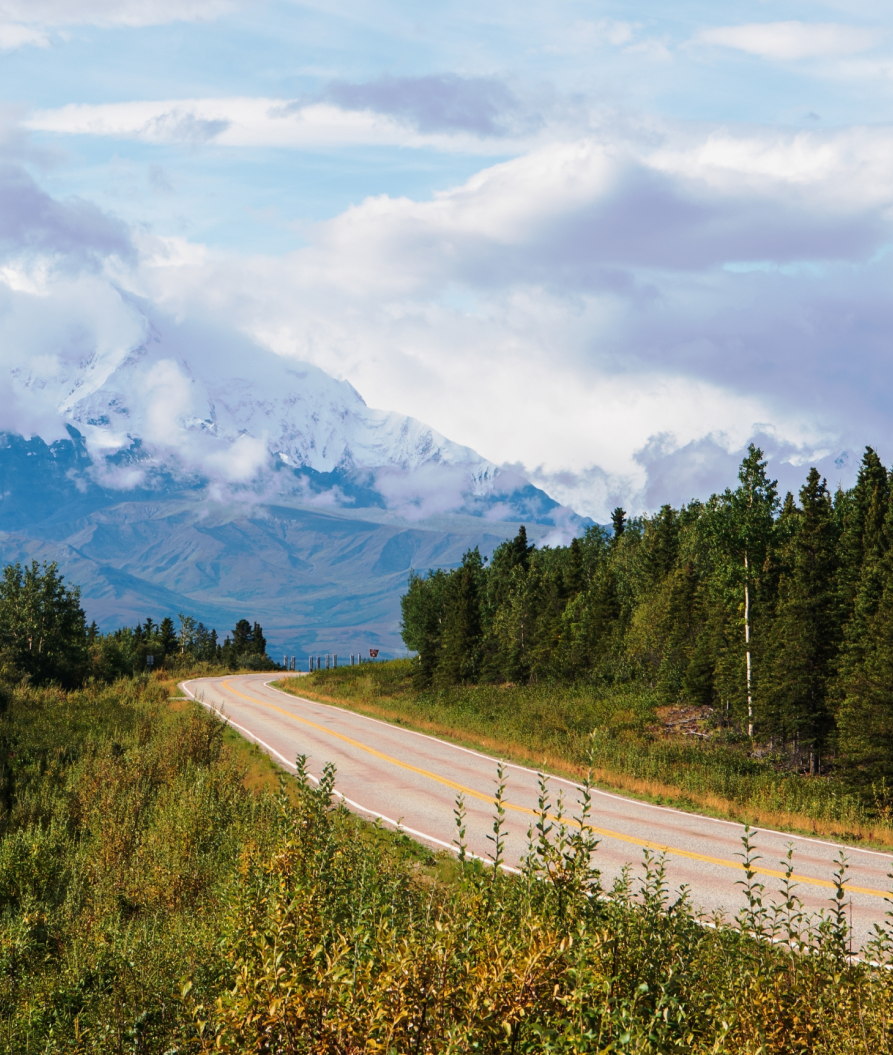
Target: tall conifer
{"x":806,"y":632}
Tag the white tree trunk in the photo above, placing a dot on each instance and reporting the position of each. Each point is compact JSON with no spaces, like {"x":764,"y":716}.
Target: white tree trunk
{"x":747,"y":644}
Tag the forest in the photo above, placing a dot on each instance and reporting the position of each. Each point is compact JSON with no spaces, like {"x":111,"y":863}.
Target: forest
{"x":773,"y":614}
{"x":45,"y":639}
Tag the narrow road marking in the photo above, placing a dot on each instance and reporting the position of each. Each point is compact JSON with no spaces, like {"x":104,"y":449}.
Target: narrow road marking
{"x":631,"y":839}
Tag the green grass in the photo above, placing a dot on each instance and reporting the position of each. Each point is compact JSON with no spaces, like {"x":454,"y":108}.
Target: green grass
{"x":552,"y":727}
{"x":163,"y":891}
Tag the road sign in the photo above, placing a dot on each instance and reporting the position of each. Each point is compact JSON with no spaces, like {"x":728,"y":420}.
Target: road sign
{"x":373,"y":652}
{"x":150,"y":661}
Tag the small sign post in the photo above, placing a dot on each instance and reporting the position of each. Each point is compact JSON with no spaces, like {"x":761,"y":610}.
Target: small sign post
{"x":373,"y":652}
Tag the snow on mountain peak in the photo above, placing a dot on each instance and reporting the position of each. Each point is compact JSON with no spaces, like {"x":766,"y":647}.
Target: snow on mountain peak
{"x":210,"y":407}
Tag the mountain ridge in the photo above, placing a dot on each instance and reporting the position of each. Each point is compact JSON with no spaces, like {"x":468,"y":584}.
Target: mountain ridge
{"x":233,"y":481}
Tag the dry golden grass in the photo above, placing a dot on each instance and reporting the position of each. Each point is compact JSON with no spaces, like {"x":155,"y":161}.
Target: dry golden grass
{"x":660,"y":793}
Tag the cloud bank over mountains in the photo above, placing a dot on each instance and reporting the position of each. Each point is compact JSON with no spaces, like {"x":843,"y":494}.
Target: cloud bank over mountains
{"x":598,"y":293}
{"x":616,"y":315}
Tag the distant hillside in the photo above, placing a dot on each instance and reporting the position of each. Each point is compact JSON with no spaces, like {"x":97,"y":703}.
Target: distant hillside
{"x":316,"y":577}
{"x":195,"y":471}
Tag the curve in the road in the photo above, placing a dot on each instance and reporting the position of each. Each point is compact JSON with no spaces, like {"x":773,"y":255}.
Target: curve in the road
{"x":491,"y":801}
{"x":388,"y":771}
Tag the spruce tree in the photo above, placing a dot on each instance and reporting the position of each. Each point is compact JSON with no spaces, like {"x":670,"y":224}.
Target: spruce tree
{"x":459,"y":657}
{"x":618,"y":522}
{"x":573,"y":575}
{"x":520,"y":549}
{"x":862,"y":513}
{"x":806,"y":631}
{"x":241,"y":639}
{"x":167,"y":636}
{"x":865,"y":719}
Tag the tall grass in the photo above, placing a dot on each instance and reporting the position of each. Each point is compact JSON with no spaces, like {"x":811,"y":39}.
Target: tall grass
{"x":150,"y":903}
{"x":552,"y":725}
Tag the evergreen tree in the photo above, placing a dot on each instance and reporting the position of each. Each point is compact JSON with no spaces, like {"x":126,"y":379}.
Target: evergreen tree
{"x":573,"y":575}
{"x":167,"y":637}
{"x":806,"y":631}
{"x":618,"y":522}
{"x":865,"y":720}
{"x":862,"y":513}
{"x":458,"y":659}
{"x":241,"y":638}
{"x":741,"y":524}
{"x":519,"y":550}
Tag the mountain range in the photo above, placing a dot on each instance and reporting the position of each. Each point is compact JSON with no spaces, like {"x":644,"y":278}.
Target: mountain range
{"x":196,"y":472}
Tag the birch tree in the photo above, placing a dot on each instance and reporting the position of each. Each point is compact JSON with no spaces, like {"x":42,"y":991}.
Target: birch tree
{"x":741,"y":522}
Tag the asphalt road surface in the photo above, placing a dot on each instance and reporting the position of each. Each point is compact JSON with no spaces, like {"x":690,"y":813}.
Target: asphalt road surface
{"x":412,"y":779}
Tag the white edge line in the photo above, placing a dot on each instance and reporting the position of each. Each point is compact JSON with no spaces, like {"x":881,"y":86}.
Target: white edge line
{"x":396,"y":825}
{"x":564,"y":780}
{"x":571,"y":783}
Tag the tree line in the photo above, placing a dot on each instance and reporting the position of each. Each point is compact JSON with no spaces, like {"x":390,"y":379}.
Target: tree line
{"x":776,"y":613}
{"x":44,"y":636}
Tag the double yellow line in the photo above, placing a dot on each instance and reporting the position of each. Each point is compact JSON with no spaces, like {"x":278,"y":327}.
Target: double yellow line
{"x":606,"y":832}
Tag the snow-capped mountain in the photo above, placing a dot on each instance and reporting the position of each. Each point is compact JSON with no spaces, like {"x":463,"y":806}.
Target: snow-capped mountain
{"x":191,"y":471}
{"x":218,"y":410}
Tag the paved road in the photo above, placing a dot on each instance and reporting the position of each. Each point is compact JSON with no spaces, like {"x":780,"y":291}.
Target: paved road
{"x":402,"y":776}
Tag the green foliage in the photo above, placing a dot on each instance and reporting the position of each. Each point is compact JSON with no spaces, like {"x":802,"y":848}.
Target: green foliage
{"x":127,"y":651}
{"x":150,"y":903}
{"x":42,"y":628}
{"x":776,"y":616}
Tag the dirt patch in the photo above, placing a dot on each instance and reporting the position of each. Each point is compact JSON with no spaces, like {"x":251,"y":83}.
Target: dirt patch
{"x":683,"y":720}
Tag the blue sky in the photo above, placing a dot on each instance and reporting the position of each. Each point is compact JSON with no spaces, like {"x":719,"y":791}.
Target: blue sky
{"x":600,"y":243}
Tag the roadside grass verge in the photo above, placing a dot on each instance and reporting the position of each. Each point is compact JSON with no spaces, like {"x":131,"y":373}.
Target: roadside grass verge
{"x":152,"y":901}
{"x":552,"y":727}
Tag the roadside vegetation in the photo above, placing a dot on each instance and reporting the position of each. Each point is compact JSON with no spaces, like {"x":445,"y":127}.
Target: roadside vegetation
{"x":45,"y":639}
{"x":737,"y":652}
{"x":636,"y":745}
{"x":151,"y":902}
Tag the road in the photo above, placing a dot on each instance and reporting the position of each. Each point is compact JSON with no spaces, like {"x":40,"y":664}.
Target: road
{"x":412,"y":779}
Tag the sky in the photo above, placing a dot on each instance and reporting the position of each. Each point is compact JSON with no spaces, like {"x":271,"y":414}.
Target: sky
{"x":607,"y":244}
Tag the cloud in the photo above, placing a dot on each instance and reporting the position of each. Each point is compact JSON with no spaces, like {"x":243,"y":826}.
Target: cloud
{"x":792,"y":40}
{"x":32,"y":221}
{"x":14,"y":35}
{"x":184,"y":126}
{"x":618,"y":316}
{"x":436,"y":103}
{"x":258,"y":122}
{"x":53,"y":13}
{"x":592,"y":216}
{"x":588,"y":310}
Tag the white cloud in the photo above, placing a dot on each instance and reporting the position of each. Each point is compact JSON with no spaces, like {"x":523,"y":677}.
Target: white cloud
{"x":250,"y":122}
{"x":53,"y":13}
{"x":15,"y":35}
{"x":567,"y":310}
{"x":792,"y":40}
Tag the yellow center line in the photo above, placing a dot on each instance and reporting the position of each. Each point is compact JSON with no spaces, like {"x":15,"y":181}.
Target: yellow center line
{"x":470,"y":792}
